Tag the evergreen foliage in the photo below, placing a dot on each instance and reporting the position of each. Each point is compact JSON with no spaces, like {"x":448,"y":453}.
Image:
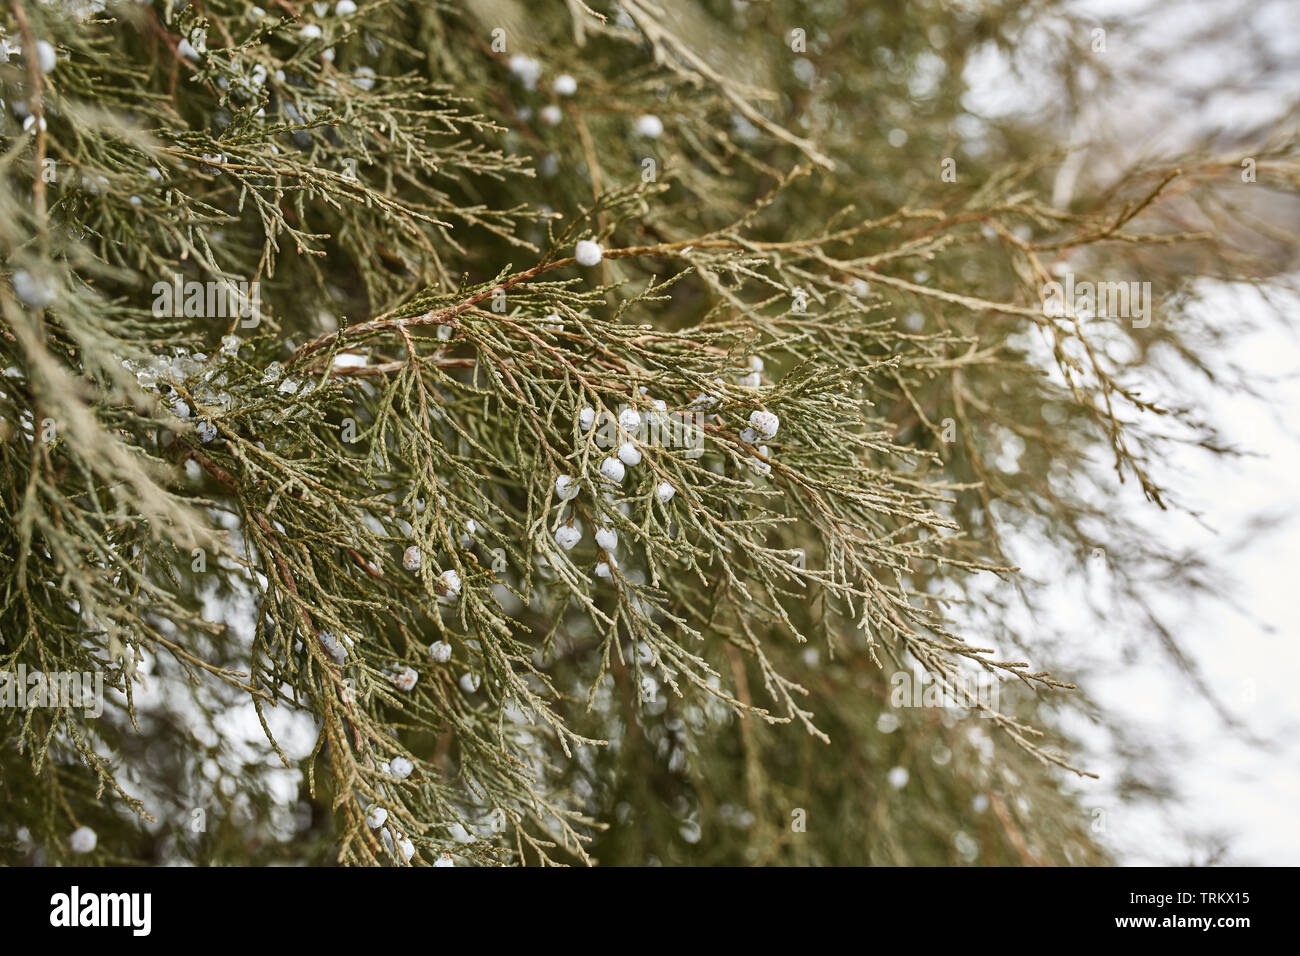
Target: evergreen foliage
{"x":312,"y":404}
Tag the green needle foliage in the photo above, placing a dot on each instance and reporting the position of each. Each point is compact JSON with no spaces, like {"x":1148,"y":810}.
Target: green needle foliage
{"x":311,"y":386}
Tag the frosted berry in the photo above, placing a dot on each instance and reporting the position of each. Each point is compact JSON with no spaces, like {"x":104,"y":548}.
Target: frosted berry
{"x":334,"y":646}
{"x":450,"y":581}
{"x":45,"y":60}
{"x":526,"y":69}
{"x":765,"y":423}
{"x":407,"y":848}
{"x":83,"y":840}
{"x":650,"y":126}
{"x":566,"y":487}
{"x":587,"y":253}
{"x":613,"y":470}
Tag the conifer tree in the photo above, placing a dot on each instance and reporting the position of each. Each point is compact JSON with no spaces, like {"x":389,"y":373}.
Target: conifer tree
{"x":511,"y":432}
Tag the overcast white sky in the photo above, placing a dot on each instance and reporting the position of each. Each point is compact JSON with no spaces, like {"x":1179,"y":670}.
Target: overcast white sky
{"x":1241,"y":790}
